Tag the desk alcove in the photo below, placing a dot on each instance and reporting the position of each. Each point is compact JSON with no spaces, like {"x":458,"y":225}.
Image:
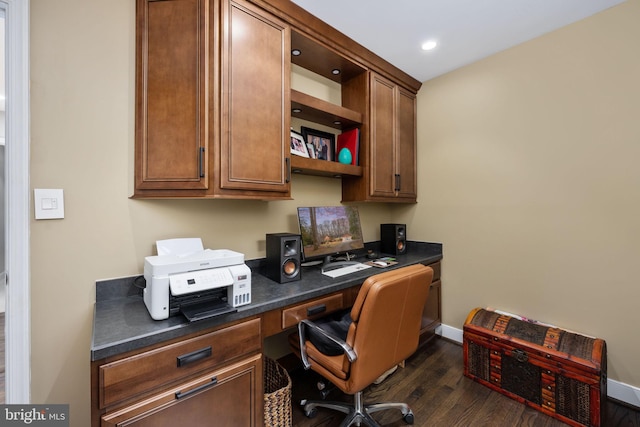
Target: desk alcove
{"x":135,"y":379}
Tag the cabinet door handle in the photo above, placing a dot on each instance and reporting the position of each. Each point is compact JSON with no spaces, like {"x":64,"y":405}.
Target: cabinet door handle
{"x":201,"y":162}
{"x":180,"y":395}
{"x":194,"y":356}
{"x":287,"y":164}
{"x":316,"y":310}
{"x":397,"y":182}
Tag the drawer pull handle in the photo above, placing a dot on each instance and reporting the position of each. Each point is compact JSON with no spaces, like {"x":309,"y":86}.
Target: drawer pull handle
{"x":180,"y":395}
{"x":194,"y":356}
{"x":316,"y":310}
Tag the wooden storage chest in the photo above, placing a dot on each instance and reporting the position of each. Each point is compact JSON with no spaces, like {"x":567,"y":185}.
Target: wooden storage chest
{"x":560,"y":373}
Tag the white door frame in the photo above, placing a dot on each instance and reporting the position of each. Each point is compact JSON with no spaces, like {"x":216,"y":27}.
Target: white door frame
{"x":17,"y":214}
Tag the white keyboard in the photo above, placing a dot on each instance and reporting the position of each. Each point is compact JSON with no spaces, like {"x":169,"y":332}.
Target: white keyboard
{"x":345,"y":270}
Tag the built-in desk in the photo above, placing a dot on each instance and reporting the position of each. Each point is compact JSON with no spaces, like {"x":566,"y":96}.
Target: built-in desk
{"x":136,"y":376}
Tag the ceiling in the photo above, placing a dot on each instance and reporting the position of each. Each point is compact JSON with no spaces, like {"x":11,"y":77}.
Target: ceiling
{"x":466,"y":30}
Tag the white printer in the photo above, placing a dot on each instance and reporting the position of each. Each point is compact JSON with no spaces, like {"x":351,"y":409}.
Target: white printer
{"x":199,"y":284}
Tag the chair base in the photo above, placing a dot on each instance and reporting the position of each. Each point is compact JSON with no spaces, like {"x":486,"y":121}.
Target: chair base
{"x":357,"y":413}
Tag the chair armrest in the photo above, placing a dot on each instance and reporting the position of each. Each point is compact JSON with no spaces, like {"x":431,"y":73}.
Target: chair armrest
{"x":346,"y":348}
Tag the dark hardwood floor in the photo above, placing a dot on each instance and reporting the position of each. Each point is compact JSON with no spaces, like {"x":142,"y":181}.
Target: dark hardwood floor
{"x":433,"y":385}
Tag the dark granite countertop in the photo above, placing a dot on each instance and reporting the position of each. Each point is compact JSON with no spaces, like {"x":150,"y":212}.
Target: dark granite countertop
{"x":122,"y":323}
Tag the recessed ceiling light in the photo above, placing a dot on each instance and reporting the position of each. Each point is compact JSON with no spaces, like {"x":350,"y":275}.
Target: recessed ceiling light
{"x":296,"y":110}
{"x":429,"y":45}
{"x":335,"y":71}
{"x":296,"y":52}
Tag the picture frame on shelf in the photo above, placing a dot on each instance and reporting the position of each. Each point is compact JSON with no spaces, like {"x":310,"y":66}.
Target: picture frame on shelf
{"x":312,"y":150}
{"x":298,"y":146}
{"x":323,"y":143}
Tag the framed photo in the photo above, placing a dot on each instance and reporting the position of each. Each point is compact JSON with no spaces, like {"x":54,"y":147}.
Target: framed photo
{"x":312,"y":150}
{"x":323,"y":143}
{"x":298,"y":146}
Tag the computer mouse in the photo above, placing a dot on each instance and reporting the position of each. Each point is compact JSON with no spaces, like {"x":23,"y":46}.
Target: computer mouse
{"x":380,"y":263}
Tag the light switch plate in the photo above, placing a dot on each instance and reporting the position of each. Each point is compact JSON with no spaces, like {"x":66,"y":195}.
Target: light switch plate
{"x":48,"y":203}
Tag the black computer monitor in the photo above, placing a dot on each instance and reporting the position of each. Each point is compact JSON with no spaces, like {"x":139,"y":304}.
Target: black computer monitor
{"x":330,"y":234}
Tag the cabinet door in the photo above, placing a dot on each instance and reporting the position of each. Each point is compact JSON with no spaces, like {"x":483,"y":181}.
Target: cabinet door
{"x":406,"y":165}
{"x":382,"y":151}
{"x":229,"y":397}
{"x":393,"y":142}
{"x":254,"y":150}
{"x":171,"y":112}
{"x":431,"y":316}
{"x":432,"y":313}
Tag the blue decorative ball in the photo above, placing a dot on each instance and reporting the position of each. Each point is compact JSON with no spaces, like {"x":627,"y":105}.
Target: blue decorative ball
{"x":344,"y":156}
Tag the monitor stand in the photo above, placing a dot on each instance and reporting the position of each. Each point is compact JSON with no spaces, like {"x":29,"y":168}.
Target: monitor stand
{"x":329,"y":265}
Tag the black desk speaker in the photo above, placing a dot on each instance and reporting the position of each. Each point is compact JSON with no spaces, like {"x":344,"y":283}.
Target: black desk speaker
{"x":393,"y":239}
{"x":283,"y":257}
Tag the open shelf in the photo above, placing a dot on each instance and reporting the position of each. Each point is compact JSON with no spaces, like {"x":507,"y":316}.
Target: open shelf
{"x":316,"y":110}
{"x":305,"y":166}
{"x":322,"y":60}
{"x":317,"y":57}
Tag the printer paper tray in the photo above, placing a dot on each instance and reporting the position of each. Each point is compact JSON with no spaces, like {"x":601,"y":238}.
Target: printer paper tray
{"x":206,"y":310}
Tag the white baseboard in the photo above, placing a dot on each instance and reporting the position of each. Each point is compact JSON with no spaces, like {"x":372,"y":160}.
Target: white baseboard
{"x":454,"y":334}
{"x":615,"y":389}
{"x":623,"y":392}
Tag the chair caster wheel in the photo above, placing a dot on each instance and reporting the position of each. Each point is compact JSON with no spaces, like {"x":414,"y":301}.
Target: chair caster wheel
{"x":311,"y":413}
{"x":408,"y":418}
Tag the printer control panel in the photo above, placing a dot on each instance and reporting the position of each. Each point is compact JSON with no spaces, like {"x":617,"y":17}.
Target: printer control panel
{"x":200,"y":280}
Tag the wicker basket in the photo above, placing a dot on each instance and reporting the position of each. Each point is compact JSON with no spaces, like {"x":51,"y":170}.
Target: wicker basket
{"x":277,"y":395}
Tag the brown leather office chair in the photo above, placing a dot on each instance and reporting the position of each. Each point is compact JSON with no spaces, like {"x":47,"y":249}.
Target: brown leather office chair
{"x":384,"y":331}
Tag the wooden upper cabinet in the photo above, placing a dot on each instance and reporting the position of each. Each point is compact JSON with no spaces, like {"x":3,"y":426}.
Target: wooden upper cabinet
{"x":383,"y":137}
{"x":406,"y":142}
{"x":388,"y":142}
{"x":171,"y":109}
{"x":212,"y":100}
{"x":255,"y":81}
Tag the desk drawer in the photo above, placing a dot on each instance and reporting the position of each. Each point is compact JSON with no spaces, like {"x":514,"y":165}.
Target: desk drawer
{"x":310,"y":310}
{"x":227,"y":396}
{"x":146,"y":371}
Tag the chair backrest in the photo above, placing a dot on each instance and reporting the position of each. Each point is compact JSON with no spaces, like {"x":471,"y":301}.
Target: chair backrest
{"x":386,"y":321}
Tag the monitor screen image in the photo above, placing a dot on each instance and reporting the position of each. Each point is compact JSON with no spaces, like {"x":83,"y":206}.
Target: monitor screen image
{"x":329,"y":231}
